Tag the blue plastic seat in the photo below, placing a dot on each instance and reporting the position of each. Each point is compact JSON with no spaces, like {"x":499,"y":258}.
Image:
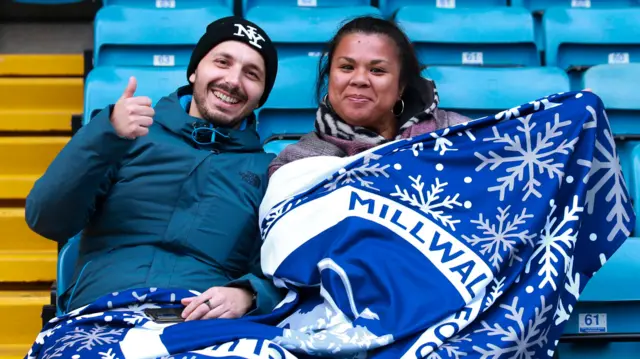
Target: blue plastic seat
{"x":250,"y":4}
{"x":389,"y":7}
{"x":66,"y":265}
{"x":491,"y":36}
{"x":617,"y":85}
{"x":128,"y":36}
{"x":104,"y":85}
{"x":276,"y":146}
{"x":170,"y":4}
{"x":303,"y":31}
{"x":291,"y":107}
{"x":577,"y":38}
{"x":477,"y":92}
{"x":541,"y":5}
{"x":615,"y":293}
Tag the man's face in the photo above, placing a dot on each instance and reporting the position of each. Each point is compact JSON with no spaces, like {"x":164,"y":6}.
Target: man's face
{"x":227,"y":84}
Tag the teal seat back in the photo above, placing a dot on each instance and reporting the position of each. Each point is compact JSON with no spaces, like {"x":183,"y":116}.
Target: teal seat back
{"x":131,"y":36}
{"x":472,"y":36}
{"x":104,"y":85}
{"x":291,"y":107}
{"x":579,"y":38}
{"x":617,"y":85}
{"x":478,"y":92}
{"x":304,"y":31}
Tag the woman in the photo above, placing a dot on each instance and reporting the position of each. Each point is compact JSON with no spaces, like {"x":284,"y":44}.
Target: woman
{"x":402,"y":230}
{"x":375,"y":94}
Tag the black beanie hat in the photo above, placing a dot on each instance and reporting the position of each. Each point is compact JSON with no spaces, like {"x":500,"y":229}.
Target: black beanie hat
{"x":238,"y":29}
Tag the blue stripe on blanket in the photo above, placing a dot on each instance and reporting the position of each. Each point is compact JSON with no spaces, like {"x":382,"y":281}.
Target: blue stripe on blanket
{"x":474,"y":241}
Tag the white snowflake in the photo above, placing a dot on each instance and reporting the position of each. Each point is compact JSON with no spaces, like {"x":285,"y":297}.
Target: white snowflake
{"x":367,"y":168}
{"x":556,"y":241}
{"x":502,"y":240}
{"x":496,"y":292}
{"x":572,"y":286}
{"x":451,"y":348}
{"x":617,"y":190}
{"x":520,"y":341}
{"x":531,"y":157}
{"x":107,"y":355}
{"x":443,"y":144}
{"x":79,"y":339}
{"x":137,"y":314}
{"x":430,"y":202}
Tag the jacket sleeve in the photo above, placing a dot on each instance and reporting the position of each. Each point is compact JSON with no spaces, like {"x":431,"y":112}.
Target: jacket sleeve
{"x":62,"y":201}
{"x":267,"y":294}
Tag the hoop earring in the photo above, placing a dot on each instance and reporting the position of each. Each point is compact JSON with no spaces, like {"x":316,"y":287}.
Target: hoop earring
{"x":401,"y":111}
{"x":325,"y":99}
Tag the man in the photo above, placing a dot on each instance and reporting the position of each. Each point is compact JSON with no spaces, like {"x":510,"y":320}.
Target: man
{"x":168,"y":197}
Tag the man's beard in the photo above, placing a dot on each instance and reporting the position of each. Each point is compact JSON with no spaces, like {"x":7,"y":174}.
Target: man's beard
{"x":216,"y":118}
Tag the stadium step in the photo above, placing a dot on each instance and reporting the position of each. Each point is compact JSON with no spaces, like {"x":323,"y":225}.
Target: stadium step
{"x":23,"y":160}
{"x":24,"y":256}
{"x":41,"y":65}
{"x":38,"y":103}
{"x":14,"y":351}
{"x":15,"y":235}
{"x":20,"y":312}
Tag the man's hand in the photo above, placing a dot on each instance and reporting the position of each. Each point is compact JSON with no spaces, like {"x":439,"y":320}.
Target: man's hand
{"x":132,"y":116}
{"x":218,"y":302}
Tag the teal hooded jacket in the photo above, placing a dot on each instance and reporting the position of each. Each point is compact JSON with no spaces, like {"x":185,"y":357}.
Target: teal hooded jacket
{"x":159,"y":211}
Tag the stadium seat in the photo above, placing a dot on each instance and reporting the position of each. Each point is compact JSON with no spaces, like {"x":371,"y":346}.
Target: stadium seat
{"x":291,"y":107}
{"x":250,"y":4}
{"x":303,"y":31}
{"x":276,"y":146}
{"x":104,"y":85}
{"x":578,"y":38}
{"x":464,"y":36}
{"x":478,"y":92}
{"x":23,"y":160}
{"x":127,"y":36}
{"x":67,"y":259}
{"x":170,"y":4}
{"x":617,"y":85}
{"x":41,"y":65}
{"x":389,"y":7}
{"x":541,"y":5}
{"x":48,"y":107}
{"x":611,"y":294}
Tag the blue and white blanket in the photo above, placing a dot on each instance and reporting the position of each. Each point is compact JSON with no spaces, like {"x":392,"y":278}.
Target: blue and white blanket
{"x":474,"y":241}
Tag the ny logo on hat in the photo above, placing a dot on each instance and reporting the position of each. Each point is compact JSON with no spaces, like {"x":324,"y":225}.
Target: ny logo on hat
{"x":251,"y":33}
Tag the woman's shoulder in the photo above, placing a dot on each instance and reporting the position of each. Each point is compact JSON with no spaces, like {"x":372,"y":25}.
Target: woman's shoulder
{"x":446,"y":119}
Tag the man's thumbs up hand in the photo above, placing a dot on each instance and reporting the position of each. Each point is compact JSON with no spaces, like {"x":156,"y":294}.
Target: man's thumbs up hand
{"x":132,"y":116}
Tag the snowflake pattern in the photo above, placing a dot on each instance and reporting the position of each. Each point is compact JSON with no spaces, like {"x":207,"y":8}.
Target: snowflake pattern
{"x":503,"y":239}
{"x":430,"y":202}
{"x":496,"y":291}
{"x":79,"y":339}
{"x":451,"y":347}
{"x":572,"y":286}
{"x":611,"y":169}
{"x":359,"y":173}
{"x":531,"y":156}
{"x":556,"y":242}
{"x":442,"y":143}
{"x":520,"y":340}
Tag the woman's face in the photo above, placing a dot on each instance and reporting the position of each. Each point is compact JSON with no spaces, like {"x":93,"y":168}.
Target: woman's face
{"x":364,"y":82}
